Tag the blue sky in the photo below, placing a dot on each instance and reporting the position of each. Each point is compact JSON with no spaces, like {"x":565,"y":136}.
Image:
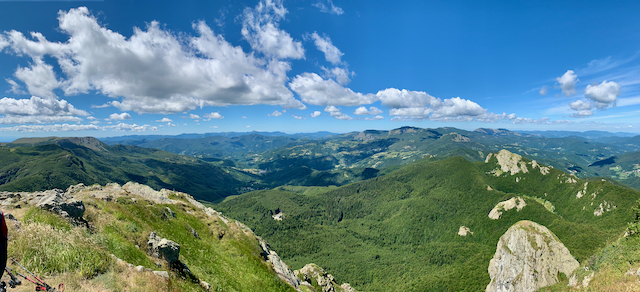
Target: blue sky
{"x":110,"y":68}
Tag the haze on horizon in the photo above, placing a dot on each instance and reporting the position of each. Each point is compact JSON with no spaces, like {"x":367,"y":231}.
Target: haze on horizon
{"x":113,"y":68}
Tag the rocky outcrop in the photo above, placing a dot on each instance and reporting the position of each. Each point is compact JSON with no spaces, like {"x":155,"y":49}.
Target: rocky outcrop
{"x":313,"y":274}
{"x":61,"y":203}
{"x":464,"y":230}
{"x":515,"y":202}
{"x":163,"y":248}
{"x":146,"y":192}
{"x":528,"y":257}
{"x":512,"y":163}
{"x":282,"y":270}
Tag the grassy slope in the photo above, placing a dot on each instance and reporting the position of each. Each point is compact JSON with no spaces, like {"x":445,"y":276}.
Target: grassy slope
{"x":52,"y":166}
{"x":53,"y":248}
{"x":399,"y":232}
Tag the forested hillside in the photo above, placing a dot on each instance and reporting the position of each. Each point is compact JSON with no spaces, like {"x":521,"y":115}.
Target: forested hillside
{"x":399,"y":232}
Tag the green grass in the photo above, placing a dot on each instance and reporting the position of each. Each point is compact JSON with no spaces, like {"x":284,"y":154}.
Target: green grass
{"x":223,"y":256}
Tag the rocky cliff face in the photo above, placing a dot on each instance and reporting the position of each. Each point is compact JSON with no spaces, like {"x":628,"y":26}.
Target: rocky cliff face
{"x":528,"y":257}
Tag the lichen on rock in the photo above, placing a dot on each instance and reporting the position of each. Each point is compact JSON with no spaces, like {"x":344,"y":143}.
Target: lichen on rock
{"x":528,"y":257}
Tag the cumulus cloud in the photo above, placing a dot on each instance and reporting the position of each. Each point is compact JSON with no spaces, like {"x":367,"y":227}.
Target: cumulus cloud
{"x":583,"y":109}
{"x":329,"y":7}
{"x":341,"y":75}
{"x":336,"y":113}
{"x":37,"y":119}
{"x":364,"y":111}
{"x":603,"y":94}
{"x":315,"y":90}
{"x":122,"y":127}
{"x":194,"y":116}
{"x":315,"y":114}
{"x":275,"y":114}
{"x":331,"y":52}
{"x":50,"y":128}
{"x":214,"y":115}
{"x":164,"y":120}
{"x":544,"y":90}
{"x":376,"y":118}
{"x":419,"y":105}
{"x":39,"y":78}
{"x":120,"y":116}
{"x":157,"y":71}
{"x":298,"y":117}
{"x":36,"y":106}
{"x":568,"y":83}
{"x":260,"y":29}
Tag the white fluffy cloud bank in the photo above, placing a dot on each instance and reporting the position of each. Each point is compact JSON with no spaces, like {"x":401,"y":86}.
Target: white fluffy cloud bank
{"x":36,"y":110}
{"x":157,"y":71}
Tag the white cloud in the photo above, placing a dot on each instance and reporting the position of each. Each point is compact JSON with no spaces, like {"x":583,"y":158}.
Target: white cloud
{"x":260,"y":29}
{"x":544,"y":90}
{"x":164,"y":120}
{"x":154,"y":70}
{"x":36,"y":106}
{"x":329,"y":7}
{"x":315,"y":90}
{"x":50,"y":128}
{"x":371,"y":111}
{"x":95,"y":122}
{"x":583,"y":109}
{"x":580,"y":105}
{"x":37,"y":119}
{"x":336,"y":113}
{"x":297,"y":117}
{"x":214,"y":115}
{"x":120,"y":116}
{"x":39,"y":78}
{"x":316,"y":114}
{"x":603,"y":94}
{"x":15,"y":87}
{"x":341,"y":75}
{"x":568,"y":83}
{"x":331,"y":52}
{"x":244,"y":117}
{"x":376,"y":118}
{"x":419,"y":105}
{"x":275,"y":114}
{"x":122,"y":127}
{"x":194,"y":116}
{"x":169,"y":124}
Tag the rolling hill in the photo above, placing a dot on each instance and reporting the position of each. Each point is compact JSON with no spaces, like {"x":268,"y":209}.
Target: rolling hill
{"x":399,"y":232}
{"x":40,"y":164}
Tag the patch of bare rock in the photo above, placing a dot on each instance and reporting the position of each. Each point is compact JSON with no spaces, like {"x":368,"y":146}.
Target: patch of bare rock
{"x":528,"y":257}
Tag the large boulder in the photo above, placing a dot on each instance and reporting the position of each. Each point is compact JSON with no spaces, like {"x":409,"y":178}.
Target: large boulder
{"x":528,"y":257}
{"x":163,"y":248}
{"x":59,"y":202}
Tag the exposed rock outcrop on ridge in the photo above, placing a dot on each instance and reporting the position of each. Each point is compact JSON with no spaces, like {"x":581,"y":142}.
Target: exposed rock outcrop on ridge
{"x":515,"y":202}
{"x":316,"y":274}
{"x":528,"y":257}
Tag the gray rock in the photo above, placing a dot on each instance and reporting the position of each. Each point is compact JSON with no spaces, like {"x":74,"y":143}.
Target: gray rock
{"x":162,"y":274}
{"x":326,"y":281}
{"x":528,"y":257}
{"x":61,"y":203}
{"x":163,"y":248}
{"x":139,"y":268}
{"x":282,"y":270}
{"x":347,"y":287}
{"x":195,"y":233}
{"x":169,"y":213}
